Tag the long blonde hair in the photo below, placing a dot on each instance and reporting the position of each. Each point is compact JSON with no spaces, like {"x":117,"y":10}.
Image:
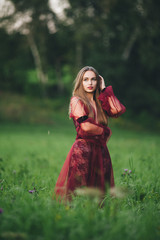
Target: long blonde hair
{"x":80,"y":92}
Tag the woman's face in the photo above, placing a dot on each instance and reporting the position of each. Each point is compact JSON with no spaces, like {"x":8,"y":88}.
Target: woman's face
{"x":89,"y":81}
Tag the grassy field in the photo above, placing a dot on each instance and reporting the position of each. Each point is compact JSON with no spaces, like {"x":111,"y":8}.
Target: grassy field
{"x":31,"y":157}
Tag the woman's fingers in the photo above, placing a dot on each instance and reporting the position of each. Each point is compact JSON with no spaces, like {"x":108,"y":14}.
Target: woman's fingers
{"x":102,"y":82}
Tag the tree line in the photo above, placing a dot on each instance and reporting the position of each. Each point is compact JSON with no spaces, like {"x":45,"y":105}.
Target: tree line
{"x":120,"y":38}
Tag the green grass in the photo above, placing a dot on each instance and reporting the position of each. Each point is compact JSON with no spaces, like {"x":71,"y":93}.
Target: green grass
{"x":32,"y":157}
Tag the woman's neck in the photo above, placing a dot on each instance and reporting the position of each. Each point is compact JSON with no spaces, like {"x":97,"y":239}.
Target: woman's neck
{"x":90,"y":97}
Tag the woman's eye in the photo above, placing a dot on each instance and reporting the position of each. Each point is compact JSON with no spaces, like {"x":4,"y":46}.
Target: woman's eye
{"x":85,"y":79}
{"x":94,"y":79}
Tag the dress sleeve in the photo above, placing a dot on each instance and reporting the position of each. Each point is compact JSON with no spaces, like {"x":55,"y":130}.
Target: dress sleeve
{"x":110,"y":103}
{"x":79,"y":112}
{"x":77,"y":108}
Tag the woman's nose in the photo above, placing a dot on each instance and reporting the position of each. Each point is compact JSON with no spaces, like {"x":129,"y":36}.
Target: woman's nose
{"x":90,"y":81}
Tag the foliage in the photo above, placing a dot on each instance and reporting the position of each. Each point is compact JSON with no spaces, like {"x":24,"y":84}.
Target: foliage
{"x":31,"y":159}
{"x":120,"y":38}
{"x":20,"y":109}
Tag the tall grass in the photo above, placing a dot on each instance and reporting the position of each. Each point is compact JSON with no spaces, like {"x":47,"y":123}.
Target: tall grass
{"x":31,"y":157}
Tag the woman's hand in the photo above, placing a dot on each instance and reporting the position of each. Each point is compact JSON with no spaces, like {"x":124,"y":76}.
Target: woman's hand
{"x":102,"y":83}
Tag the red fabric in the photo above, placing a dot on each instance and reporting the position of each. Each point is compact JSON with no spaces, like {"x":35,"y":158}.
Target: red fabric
{"x":110,"y":103}
{"x":88,"y":163}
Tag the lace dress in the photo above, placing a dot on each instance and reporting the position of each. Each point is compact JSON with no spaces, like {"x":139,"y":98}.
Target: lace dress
{"x":88,"y":162}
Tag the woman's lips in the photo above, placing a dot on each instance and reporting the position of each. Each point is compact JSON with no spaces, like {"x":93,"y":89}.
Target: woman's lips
{"x":90,"y":88}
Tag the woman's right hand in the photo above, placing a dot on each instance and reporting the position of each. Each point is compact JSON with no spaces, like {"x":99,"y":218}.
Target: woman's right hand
{"x":102,"y":83}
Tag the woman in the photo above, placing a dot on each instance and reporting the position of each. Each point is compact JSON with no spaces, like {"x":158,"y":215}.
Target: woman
{"x":88,"y":163}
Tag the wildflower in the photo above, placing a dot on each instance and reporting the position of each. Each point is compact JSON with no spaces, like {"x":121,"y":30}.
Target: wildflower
{"x":125,"y":170}
{"x":130,"y":171}
{"x":1,"y":210}
{"x":31,"y":191}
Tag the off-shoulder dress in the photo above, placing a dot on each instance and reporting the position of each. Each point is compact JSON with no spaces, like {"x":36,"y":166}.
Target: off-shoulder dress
{"x":88,"y":162}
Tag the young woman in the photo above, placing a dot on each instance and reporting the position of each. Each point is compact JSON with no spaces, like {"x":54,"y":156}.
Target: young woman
{"x":88,"y":162}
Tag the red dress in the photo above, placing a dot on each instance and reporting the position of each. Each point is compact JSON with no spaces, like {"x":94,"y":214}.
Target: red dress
{"x":88,"y":162}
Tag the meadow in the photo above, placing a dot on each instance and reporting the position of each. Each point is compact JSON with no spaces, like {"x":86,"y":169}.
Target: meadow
{"x":31,"y":157}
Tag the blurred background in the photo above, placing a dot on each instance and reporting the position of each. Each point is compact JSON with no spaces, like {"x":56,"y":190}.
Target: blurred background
{"x":43,"y":44}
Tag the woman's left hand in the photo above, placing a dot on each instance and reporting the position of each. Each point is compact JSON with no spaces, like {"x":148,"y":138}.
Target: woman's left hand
{"x":102,"y":83}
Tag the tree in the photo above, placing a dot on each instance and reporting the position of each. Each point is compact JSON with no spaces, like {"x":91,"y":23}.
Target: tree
{"x":120,"y":38}
{"x":31,"y":19}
